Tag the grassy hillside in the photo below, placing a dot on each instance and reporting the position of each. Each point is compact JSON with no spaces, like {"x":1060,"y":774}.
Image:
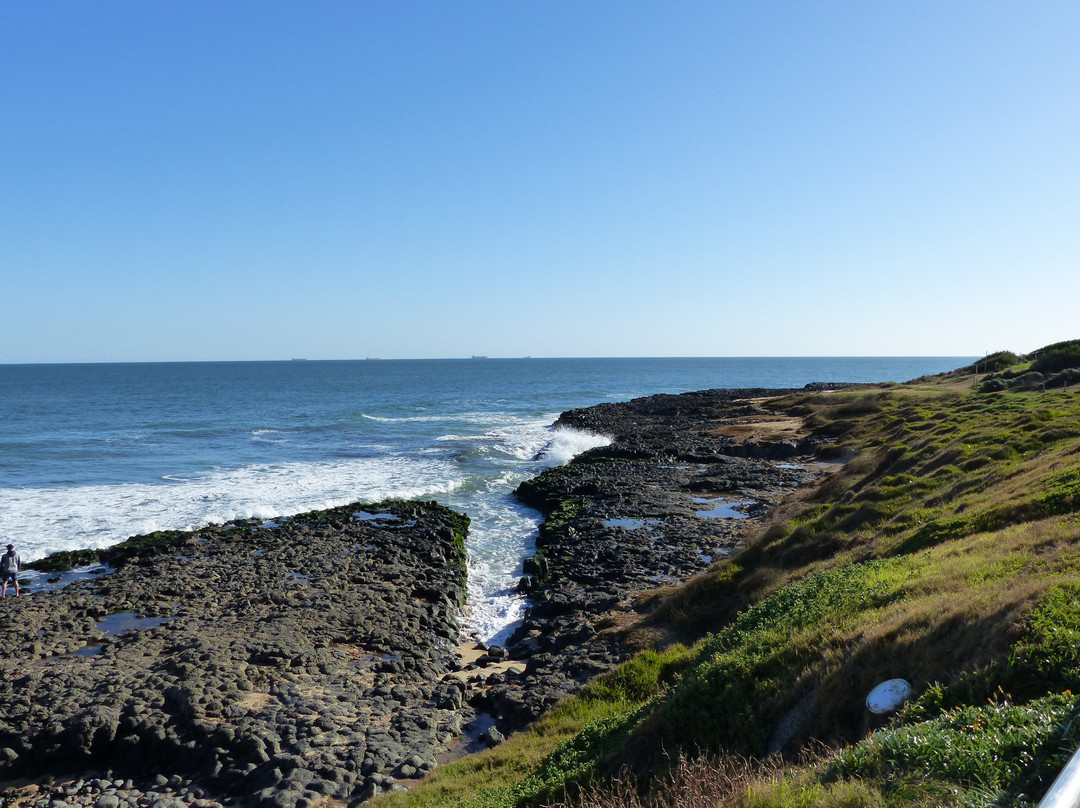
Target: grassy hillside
{"x":946,"y":551}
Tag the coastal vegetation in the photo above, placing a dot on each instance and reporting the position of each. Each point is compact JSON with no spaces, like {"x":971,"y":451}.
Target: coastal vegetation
{"x":943,"y":550}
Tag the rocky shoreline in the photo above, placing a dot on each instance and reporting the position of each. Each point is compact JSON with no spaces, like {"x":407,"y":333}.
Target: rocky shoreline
{"x":683,"y":480}
{"x":312,"y":661}
{"x":277,"y":664}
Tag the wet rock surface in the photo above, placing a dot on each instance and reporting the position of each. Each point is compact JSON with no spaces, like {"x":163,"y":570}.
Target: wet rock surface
{"x":683,"y":480}
{"x":282,"y":665}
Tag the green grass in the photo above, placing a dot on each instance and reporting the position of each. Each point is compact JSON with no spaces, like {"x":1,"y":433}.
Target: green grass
{"x":1009,"y":752}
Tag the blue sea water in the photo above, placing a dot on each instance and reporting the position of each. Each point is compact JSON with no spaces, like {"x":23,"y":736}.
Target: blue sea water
{"x":91,"y":454}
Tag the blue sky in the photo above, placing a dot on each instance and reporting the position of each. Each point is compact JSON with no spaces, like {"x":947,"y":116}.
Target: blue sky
{"x":264,"y":180}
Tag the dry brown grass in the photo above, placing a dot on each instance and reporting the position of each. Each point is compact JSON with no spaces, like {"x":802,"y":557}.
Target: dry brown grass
{"x":728,"y":783}
{"x":691,"y":783}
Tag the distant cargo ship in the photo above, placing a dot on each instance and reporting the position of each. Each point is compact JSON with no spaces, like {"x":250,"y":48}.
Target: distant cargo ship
{"x":478,"y":356}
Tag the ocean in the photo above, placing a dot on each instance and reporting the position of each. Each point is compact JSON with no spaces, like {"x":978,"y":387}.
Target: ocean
{"x":91,"y":454}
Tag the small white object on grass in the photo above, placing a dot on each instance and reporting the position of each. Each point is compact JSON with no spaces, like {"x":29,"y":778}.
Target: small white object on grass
{"x":887,"y":696}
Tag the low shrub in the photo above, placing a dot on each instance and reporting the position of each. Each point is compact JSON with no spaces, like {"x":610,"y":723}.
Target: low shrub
{"x":996,"y":362}
{"x":1057,"y":357}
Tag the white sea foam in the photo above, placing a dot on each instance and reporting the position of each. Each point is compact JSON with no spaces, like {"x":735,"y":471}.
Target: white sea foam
{"x":458,"y":417}
{"x":503,"y":532}
{"x":569,"y":443}
{"x":43,"y":520}
{"x":536,"y":440}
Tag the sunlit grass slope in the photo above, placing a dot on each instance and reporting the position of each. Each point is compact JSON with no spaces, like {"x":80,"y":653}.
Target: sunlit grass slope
{"x":945,"y":551}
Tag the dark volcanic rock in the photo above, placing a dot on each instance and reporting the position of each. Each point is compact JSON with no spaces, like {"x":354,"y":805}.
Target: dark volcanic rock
{"x":683,"y":479}
{"x":679,"y":426}
{"x":286,"y":662}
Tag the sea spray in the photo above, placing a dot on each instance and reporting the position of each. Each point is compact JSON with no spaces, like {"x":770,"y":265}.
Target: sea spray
{"x":568,"y":444}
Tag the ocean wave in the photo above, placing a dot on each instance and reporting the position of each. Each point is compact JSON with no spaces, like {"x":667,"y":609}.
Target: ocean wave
{"x":474,"y":417}
{"x":409,"y":419}
{"x":43,"y":520}
{"x":566,"y":444}
{"x":493,"y":618}
{"x":527,"y":441}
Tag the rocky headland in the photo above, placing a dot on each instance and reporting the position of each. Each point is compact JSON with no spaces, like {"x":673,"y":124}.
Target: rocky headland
{"x":312,"y":661}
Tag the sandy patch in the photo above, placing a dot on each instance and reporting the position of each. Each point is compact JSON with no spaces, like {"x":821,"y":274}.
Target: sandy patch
{"x":254,"y":701}
{"x":470,"y":653}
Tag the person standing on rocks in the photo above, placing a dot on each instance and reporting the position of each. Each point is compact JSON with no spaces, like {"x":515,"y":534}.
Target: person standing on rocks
{"x":9,"y":570}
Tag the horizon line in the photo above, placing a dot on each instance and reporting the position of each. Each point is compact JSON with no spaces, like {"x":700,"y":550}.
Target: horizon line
{"x":477,"y":357}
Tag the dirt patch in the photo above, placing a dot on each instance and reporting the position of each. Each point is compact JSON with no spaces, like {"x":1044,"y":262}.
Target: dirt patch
{"x":763,"y":428}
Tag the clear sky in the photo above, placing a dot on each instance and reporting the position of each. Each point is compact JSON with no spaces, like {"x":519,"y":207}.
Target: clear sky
{"x":254,"y":179}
